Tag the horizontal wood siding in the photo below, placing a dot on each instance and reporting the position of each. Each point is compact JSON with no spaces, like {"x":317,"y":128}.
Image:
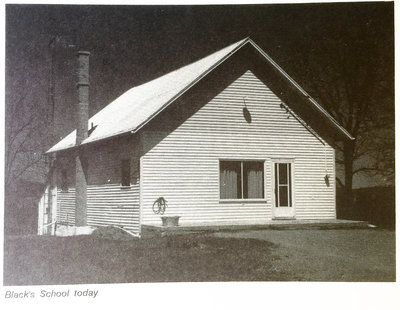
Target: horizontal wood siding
{"x":113,"y":205}
{"x":66,"y":206}
{"x":108,"y":203}
{"x":183,"y":165}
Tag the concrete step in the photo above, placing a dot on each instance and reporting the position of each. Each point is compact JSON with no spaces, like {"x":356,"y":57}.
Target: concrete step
{"x":159,"y":230}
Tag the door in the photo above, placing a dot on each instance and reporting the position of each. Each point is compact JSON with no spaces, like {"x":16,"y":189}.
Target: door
{"x":283,"y":194}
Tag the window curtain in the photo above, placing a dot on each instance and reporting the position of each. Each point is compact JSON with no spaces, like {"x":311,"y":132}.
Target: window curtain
{"x":254,"y":180}
{"x":230,"y":180}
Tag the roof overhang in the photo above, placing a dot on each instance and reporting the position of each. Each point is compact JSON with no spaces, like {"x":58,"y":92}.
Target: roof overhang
{"x":201,"y":68}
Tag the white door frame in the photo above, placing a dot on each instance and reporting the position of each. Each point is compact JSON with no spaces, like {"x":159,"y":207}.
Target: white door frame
{"x":283,"y":212}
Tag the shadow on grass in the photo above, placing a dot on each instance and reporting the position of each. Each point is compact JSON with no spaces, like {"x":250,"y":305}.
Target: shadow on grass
{"x":42,"y":260}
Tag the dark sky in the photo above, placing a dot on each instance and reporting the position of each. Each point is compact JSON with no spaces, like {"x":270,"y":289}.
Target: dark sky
{"x":130,"y":45}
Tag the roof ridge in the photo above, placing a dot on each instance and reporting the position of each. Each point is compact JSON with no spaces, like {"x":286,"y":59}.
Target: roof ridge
{"x":191,"y":63}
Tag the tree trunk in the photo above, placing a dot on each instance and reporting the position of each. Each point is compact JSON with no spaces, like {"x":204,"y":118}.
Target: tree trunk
{"x":348,"y":175}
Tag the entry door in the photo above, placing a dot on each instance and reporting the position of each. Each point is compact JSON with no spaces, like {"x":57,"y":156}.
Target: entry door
{"x":283,"y":202}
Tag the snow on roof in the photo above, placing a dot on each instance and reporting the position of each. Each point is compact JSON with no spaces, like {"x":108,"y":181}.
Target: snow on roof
{"x":133,"y":109}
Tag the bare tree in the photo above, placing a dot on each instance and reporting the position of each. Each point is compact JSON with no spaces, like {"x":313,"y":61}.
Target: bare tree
{"x":25,"y":130}
{"x":349,"y":70}
{"x":30,"y":109}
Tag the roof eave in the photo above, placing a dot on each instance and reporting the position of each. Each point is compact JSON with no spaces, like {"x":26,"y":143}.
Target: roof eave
{"x":343,"y":131}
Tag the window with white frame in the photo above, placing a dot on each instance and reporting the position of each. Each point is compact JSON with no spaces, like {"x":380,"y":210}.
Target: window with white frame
{"x":241,"y":179}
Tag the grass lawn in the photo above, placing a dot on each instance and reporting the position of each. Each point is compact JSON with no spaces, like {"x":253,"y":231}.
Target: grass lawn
{"x":330,"y":255}
{"x":269,"y":255}
{"x":88,"y":259}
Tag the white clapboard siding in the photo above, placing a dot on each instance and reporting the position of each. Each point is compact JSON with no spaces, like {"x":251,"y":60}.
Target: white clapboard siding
{"x":66,"y":206}
{"x":183,"y":165}
{"x":106,"y":205}
{"x":112,"y":205}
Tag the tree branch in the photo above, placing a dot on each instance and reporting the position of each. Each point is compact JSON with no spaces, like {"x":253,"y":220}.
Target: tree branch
{"x":339,"y":182}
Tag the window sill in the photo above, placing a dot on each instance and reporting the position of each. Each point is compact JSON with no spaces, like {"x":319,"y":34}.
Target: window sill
{"x":125,"y":187}
{"x":261,"y":200}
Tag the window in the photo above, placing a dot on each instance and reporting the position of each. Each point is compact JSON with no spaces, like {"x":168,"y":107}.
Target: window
{"x":125,"y":172}
{"x":241,"y":179}
{"x":283,"y":185}
{"x":64,"y":181}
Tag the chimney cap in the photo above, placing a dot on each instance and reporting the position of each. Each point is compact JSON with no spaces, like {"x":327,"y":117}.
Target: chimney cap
{"x":83,"y":53}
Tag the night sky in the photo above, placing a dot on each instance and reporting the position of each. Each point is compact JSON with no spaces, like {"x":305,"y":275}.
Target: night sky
{"x":131,"y":45}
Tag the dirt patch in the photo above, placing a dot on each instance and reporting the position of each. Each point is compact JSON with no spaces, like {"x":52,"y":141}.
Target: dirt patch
{"x":113,"y":233}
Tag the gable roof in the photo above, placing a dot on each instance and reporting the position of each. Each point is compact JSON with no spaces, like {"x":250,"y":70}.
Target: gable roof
{"x":139,"y":105}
